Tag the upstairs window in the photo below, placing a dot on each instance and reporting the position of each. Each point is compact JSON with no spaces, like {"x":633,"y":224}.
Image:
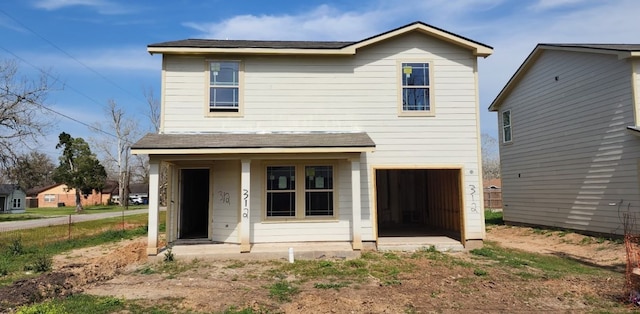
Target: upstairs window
{"x":416,"y":88}
{"x":224,"y":86}
{"x":506,"y":126}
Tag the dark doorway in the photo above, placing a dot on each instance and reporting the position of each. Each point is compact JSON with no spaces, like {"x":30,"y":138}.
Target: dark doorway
{"x":194,"y":204}
{"x":418,"y":202}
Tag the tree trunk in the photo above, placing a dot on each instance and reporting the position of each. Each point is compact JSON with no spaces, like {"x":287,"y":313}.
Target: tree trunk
{"x":79,"y":207}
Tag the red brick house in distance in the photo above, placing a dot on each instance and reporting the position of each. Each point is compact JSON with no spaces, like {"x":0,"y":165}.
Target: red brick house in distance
{"x":58,"y":194}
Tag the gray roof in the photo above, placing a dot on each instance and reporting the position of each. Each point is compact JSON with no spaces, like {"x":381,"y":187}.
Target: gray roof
{"x":253,"y":140}
{"x":617,"y":47}
{"x":217,"y":43}
{"x":8,"y":188}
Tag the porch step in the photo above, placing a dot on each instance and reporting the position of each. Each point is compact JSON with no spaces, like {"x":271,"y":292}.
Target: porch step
{"x":412,"y":244}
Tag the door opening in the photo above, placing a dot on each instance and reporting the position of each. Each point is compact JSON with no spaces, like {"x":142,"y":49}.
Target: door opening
{"x":194,"y":204}
{"x":419,"y":202}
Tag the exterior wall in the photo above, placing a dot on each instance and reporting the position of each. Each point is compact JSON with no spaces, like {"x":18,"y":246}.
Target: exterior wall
{"x":571,"y":163}
{"x":69,"y":197}
{"x":226,"y":198}
{"x":348,"y":93}
{"x":14,"y":202}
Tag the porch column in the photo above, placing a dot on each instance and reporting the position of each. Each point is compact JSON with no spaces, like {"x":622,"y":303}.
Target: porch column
{"x":245,"y":207}
{"x":154,"y":191}
{"x":356,"y":204}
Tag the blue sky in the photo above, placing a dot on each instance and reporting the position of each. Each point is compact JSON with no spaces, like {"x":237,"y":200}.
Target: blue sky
{"x":97,"y":48}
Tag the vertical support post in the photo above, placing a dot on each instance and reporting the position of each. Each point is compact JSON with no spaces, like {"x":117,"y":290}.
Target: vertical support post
{"x":356,"y":204}
{"x":154,"y":191}
{"x":245,"y":207}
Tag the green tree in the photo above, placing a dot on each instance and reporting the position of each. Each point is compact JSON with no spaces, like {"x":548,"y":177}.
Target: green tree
{"x":32,"y":170}
{"x":79,"y":168}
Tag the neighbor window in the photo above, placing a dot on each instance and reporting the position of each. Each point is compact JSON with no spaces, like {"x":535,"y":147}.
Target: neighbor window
{"x":224,"y":86}
{"x":17,"y":202}
{"x":49,"y":198}
{"x":416,"y":87}
{"x":311,"y":196}
{"x":506,"y":126}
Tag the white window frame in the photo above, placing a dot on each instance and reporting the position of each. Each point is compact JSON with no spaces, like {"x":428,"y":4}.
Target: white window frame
{"x":224,"y":112}
{"x":301,"y":191}
{"x":50,"y":196}
{"x":506,"y":128}
{"x":17,"y":202}
{"x":402,"y":69}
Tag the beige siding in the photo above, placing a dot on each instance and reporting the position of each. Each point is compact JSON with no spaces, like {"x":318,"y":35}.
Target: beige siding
{"x":348,"y":93}
{"x":226,"y":197}
{"x":572,"y":163}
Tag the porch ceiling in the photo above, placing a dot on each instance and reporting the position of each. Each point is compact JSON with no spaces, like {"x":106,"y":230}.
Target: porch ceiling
{"x":239,"y":143}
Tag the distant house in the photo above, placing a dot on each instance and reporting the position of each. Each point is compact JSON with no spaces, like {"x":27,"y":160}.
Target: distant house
{"x":60,"y":195}
{"x":569,"y":122}
{"x":303,"y":141}
{"x":12,"y":199}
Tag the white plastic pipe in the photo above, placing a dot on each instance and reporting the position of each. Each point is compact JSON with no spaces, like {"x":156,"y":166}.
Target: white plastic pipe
{"x":290,"y":255}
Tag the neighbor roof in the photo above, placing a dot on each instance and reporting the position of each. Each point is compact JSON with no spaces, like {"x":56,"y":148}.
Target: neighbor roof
{"x":621,"y":50}
{"x":199,"y":143}
{"x":311,"y":47}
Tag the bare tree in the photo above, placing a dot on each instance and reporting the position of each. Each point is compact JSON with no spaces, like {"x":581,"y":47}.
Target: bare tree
{"x":22,"y":120}
{"x":34,"y":169}
{"x":490,"y":157}
{"x":117,"y":153}
{"x":154,"y":109}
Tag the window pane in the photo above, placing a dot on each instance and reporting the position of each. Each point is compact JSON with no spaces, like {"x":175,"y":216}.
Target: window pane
{"x":319,"y":204}
{"x":415,"y":74}
{"x":507,"y":134}
{"x":281,"y":204}
{"x":415,"y":99}
{"x":224,"y":73}
{"x":223,"y":97}
{"x":506,"y":118}
{"x":318,"y":177}
{"x":281,"y":178}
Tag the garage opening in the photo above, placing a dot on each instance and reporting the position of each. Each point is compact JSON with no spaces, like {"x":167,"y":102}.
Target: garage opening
{"x":194,"y":204}
{"x":419,"y":202}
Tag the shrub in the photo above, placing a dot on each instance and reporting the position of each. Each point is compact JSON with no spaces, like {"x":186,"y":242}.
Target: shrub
{"x":168,"y":256}
{"x":41,"y":263}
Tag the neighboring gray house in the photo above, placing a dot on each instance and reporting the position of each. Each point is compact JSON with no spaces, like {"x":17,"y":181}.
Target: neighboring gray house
{"x":304,"y":141}
{"x":569,"y":137}
{"x":12,"y":199}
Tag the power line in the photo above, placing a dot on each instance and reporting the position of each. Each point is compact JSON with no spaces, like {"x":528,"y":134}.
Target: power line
{"x":49,"y":75}
{"x":69,"y":55}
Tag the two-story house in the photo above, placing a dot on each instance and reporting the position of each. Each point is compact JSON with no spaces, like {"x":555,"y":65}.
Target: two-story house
{"x":294,"y":141}
{"x":569,"y":121}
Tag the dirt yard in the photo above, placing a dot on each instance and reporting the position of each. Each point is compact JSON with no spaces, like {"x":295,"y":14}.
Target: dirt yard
{"x":432,"y":285}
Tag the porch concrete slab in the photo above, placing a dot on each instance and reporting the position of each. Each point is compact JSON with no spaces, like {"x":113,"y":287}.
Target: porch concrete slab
{"x":264,"y":251}
{"x":411,"y":244}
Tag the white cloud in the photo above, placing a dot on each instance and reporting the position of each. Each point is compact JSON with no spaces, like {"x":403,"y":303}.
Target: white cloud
{"x":101,"y":60}
{"x":542,"y":5}
{"x":101,"y":6}
{"x":321,"y":23}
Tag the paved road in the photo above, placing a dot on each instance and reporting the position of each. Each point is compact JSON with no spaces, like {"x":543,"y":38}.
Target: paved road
{"x":62,"y":220}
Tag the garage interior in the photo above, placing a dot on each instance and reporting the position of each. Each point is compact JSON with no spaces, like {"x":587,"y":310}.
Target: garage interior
{"x":419,"y":202}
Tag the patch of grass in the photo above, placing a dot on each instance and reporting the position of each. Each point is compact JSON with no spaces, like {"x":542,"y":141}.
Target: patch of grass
{"x":282,"y":291}
{"x":41,"y":263}
{"x":16,"y":247}
{"x":18,"y":217}
{"x":336,"y":286}
{"x":168,"y":256}
{"x":236,"y":310}
{"x":480,"y":272}
{"x":551,"y":266}
{"x":71,"y":210}
{"x":493,"y":217}
{"x":235,"y":265}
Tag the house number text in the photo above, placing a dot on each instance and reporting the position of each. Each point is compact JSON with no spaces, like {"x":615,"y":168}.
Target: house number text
{"x":224,"y":197}
{"x":474,"y":207}
{"x":245,"y":199}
